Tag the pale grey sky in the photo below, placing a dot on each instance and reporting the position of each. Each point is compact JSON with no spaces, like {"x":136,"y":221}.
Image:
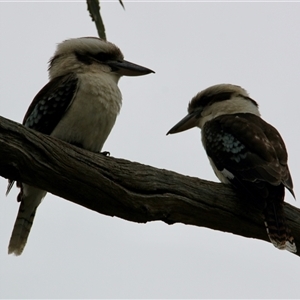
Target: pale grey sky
{"x":76,"y":253}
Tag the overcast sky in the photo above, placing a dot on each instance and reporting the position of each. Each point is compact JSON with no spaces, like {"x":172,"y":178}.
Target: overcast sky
{"x":73,"y":252}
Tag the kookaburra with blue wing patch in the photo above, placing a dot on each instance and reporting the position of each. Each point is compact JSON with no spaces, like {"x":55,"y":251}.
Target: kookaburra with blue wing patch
{"x":244,"y":151}
{"x":79,"y":105}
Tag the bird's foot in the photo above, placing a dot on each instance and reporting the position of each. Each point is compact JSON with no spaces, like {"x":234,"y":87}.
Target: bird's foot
{"x":105,"y":153}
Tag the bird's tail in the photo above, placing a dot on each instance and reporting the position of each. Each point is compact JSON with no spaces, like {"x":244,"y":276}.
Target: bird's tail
{"x":278,"y":231}
{"x":29,"y":203}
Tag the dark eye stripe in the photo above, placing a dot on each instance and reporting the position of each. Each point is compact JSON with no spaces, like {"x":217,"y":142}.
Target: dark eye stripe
{"x":88,"y":58}
{"x":102,"y":56}
{"x":207,"y":100}
{"x":217,"y":98}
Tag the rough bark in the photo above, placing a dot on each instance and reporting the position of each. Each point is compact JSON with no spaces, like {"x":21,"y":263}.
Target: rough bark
{"x":128,"y":190}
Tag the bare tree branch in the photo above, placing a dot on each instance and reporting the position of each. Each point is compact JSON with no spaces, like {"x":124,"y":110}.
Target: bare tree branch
{"x":93,"y":7}
{"x":122,"y":4}
{"x":128,"y":190}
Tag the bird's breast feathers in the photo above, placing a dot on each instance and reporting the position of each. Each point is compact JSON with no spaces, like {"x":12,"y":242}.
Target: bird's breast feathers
{"x":92,"y":114}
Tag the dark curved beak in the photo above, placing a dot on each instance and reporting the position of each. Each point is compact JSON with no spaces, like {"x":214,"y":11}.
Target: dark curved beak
{"x":189,"y":121}
{"x":126,"y":68}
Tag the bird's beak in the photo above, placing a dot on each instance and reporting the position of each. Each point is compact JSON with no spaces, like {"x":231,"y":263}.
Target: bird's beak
{"x":126,"y":68}
{"x":189,"y":121}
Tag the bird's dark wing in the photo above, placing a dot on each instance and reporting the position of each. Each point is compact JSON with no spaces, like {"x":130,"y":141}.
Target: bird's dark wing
{"x":49,"y":106}
{"x":248,"y":148}
{"x":51,"y":103}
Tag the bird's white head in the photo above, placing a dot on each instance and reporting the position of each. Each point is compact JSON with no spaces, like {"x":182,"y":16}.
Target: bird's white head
{"x":91,"y":54}
{"x":214,"y":101}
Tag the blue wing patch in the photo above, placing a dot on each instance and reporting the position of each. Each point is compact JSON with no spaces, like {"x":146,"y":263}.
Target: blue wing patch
{"x":226,"y":142}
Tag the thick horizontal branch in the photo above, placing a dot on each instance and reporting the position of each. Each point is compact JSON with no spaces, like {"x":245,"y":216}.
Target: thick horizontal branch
{"x":128,"y":190}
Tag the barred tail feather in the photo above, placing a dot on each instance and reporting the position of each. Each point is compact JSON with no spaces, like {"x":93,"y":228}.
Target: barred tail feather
{"x":278,"y":231}
{"x":29,"y":198}
{"x":21,"y":230}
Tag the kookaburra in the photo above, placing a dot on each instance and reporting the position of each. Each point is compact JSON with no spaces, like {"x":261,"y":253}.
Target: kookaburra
{"x":244,"y":151}
{"x":79,"y":105}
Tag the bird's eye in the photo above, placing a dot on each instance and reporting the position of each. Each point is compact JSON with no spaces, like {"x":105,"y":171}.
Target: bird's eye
{"x":222,"y":96}
{"x":86,"y":59}
{"x":102,"y":56}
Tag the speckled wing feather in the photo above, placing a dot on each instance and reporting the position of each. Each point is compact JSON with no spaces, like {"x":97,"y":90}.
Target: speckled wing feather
{"x":253,"y":152}
{"x":51,"y":103}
